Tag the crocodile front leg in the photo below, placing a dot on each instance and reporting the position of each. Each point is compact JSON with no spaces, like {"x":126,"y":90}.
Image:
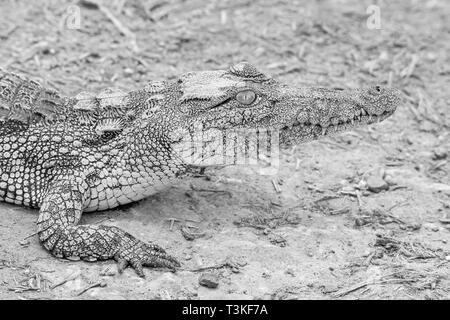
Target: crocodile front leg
{"x":59,"y":233}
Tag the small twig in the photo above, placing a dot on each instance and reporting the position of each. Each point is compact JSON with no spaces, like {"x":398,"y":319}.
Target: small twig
{"x":217,"y":266}
{"x":100,"y":284}
{"x":275,"y":186}
{"x":7,"y":33}
{"x":369,"y":259}
{"x":437,"y":166}
{"x":116,"y":22}
{"x":398,"y":204}
{"x":191,"y":226}
{"x":210,"y":190}
{"x":31,"y":235}
{"x":398,"y":188}
{"x":67,"y":279}
{"x":172,"y":222}
{"x":351,"y":289}
{"x":390,"y":215}
{"x":348,"y":193}
{"x":382,"y":280}
{"x":358,"y":197}
{"x":408,"y":71}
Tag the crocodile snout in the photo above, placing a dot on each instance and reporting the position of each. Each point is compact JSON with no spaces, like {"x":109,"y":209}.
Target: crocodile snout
{"x":378,"y":100}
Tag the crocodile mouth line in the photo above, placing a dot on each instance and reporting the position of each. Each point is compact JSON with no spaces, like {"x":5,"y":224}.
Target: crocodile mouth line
{"x":362,"y":118}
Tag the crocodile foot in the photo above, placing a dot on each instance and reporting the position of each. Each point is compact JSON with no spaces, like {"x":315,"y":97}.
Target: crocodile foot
{"x":138,"y":254}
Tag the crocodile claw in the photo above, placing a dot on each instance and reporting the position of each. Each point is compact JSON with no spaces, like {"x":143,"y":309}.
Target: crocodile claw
{"x":140,"y":254}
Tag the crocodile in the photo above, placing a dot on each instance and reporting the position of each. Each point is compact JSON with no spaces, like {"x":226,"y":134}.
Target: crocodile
{"x":91,"y":152}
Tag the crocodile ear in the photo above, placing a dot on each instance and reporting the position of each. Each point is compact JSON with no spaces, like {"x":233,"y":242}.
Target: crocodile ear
{"x":246,"y":70}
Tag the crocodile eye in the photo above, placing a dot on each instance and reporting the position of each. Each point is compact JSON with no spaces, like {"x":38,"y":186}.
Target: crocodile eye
{"x":246,"y":97}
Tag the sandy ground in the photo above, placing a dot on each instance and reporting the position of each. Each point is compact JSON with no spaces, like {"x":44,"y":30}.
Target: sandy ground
{"x":363,"y":215}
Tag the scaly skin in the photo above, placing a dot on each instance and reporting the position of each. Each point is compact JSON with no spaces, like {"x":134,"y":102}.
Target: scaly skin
{"x":67,"y":155}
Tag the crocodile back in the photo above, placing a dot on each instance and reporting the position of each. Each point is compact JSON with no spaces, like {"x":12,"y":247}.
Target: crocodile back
{"x":24,"y":101}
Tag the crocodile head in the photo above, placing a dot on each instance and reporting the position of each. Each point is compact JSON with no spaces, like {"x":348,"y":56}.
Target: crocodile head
{"x":242,"y":103}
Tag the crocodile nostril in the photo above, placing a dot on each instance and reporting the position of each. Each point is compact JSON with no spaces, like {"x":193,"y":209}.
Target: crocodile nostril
{"x":378,"y":88}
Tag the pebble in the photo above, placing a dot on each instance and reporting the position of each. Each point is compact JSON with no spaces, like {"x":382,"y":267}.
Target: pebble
{"x":24,"y":243}
{"x":209,"y":280}
{"x":290,"y":272}
{"x":431,"y":226}
{"x":348,"y":189}
{"x":439,"y":153}
{"x":277,"y":239}
{"x":128,"y":71}
{"x":359,"y":222}
{"x":376,"y":184}
{"x":390,"y":180}
{"x":235,"y":270}
{"x":187,"y":257}
{"x":191,"y":235}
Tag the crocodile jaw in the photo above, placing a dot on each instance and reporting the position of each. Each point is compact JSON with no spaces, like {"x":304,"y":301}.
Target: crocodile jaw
{"x":335,"y":112}
{"x":303,"y":132}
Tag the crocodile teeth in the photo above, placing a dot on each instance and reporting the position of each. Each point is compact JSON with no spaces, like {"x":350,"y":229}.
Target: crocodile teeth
{"x":324,"y":130}
{"x":352,"y":121}
{"x":363,"y":112}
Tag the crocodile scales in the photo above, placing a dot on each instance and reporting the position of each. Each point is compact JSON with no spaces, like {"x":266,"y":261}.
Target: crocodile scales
{"x":69,"y":155}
